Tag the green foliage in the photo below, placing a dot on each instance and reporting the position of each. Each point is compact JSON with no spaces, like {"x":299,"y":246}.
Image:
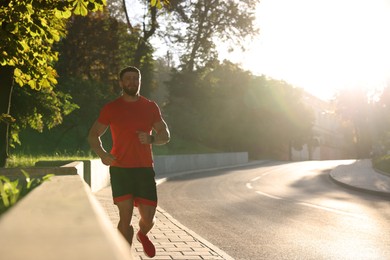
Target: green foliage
{"x":229,"y":21}
{"x":39,"y":109}
{"x":382,"y":163}
{"x":28,"y":31}
{"x":71,"y":135}
{"x":12,"y":191}
{"x":90,"y":50}
{"x":6,"y":118}
{"x":228,"y":109}
{"x":96,"y":48}
{"x":9,"y":192}
{"x":159,"y":3}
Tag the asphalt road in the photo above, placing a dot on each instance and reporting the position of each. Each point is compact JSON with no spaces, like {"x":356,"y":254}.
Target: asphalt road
{"x":280,"y":211}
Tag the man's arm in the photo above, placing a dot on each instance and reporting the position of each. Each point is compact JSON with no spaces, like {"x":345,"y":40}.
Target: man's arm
{"x":162,"y":135}
{"x":96,"y":131}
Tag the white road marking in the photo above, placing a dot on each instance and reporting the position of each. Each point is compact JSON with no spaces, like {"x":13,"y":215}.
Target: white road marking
{"x":331,"y":210}
{"x":249,"y":186}
{"x":257,"y":178}
{"x":268,"y":195}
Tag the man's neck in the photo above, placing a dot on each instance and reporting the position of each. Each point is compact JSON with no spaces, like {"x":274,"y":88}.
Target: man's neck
{"x":129,"y":98}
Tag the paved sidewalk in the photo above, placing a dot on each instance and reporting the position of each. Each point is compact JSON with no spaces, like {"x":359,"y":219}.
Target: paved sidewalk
{"x":172,"y":239}
{"x":360,"y":175}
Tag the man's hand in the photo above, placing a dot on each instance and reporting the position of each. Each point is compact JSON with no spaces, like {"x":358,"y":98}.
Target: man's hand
{"x":107,"y":159}
{"x":144,"y":138}
{"x":94,"y":134}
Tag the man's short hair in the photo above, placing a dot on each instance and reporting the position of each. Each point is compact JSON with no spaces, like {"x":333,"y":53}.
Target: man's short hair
{"x":129,"y":69}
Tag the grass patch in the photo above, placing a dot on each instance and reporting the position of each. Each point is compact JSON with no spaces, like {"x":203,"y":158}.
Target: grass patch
{"x":28,"y":160}
{"x":382,"y":163}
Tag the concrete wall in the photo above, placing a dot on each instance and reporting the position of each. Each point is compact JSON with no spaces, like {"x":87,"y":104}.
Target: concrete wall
{"x":68,"y":168}
{"x":95,"y":173}
{"x":164,"y":165}
{"x":99,"y":175}
{"x":60,"y":219}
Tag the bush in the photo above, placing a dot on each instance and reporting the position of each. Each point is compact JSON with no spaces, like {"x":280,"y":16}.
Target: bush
{"x":382,"y":163}
{"x":12,"y":191}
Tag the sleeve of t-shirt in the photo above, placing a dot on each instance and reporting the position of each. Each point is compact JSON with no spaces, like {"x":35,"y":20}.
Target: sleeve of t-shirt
{"x":104,"y":116}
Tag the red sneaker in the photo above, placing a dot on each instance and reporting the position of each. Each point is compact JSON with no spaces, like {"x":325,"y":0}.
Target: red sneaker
{"x":148,"y":246}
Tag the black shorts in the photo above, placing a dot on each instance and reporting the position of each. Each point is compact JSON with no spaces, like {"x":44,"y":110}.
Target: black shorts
{"x":134,"y":183}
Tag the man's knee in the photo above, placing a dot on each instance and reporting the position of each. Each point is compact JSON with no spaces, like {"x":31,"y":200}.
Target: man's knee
{"x":146,"y":224}
{"x":147,"y":214}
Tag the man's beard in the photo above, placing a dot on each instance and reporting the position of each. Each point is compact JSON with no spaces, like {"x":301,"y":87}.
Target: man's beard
{"x":131,"y":92}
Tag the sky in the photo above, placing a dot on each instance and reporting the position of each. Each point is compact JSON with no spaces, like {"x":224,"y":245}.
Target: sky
{"x":322,"y":46}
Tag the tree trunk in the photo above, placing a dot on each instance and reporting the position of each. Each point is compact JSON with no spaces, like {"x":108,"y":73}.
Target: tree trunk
{"x":141,"y":50}
{"x":127,"y":15}
{"x":6,"y":85}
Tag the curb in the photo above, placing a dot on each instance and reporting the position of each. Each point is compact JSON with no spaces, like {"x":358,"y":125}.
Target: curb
{"x":357,"y":188}
{"x":382,"y":172}
{"x":214,"y":248}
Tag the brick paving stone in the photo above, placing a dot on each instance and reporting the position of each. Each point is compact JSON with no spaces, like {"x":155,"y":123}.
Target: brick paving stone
{"x":172,"y":240}
{"x":181,"y":249}
{"x":187,"y":257}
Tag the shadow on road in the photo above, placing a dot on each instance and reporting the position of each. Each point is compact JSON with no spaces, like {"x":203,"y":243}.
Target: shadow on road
{"x":207,"y":173}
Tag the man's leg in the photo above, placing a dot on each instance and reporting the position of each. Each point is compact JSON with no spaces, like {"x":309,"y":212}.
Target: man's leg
{"x":125,"y":214}
{"x":146,"y":223}
{"x":147,"y":214}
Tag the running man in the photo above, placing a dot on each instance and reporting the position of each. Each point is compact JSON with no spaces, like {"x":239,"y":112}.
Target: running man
{"x":132,"y":119}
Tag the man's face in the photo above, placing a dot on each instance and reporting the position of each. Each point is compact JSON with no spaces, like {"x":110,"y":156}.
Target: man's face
{"x":130,"y":83}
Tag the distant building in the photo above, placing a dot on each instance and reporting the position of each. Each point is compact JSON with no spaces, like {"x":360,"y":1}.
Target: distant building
{"x":327,"y":142}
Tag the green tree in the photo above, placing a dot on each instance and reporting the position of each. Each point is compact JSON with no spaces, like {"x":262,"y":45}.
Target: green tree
{"x":145,"y":30}
{"x":278,"y":117}
{"x":87,"y":66}
{"x":207,"y":23}
{"x":228,"y":109}
{"x":112,"y":44}
{"x":28,"y":30}
{"x":91,"y":72}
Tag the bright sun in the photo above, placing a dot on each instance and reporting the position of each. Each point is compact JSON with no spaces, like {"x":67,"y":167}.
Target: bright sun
{"x":322,"y":45}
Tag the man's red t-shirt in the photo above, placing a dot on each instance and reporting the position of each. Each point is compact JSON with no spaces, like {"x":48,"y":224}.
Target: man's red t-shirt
{"x":125,"y":120}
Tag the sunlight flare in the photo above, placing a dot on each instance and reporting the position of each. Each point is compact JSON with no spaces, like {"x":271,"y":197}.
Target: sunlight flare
{"x":321,"y":46}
